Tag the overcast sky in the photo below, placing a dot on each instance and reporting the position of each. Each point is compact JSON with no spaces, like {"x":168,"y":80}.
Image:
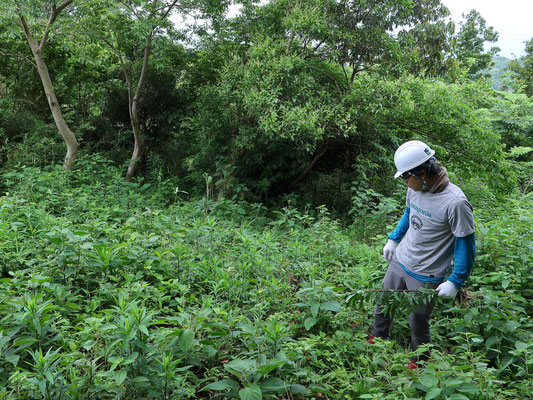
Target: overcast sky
{"x":512,"y":19}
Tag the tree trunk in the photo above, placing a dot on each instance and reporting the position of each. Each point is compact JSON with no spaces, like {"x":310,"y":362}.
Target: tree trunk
{"x":138,"y":147}
{"x":67,"y":135}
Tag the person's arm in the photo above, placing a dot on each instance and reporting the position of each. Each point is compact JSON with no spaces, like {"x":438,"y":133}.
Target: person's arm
{"x":464,"y":254}
{"x":402,"y":227}
{"x":396,"y":236}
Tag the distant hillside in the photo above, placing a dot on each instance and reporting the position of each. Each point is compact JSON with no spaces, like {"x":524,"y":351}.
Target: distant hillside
{"x":496,"y":71}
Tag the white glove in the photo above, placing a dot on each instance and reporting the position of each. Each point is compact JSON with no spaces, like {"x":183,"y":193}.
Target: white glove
{"x":447,"y":290}
{"x":389,"y":249}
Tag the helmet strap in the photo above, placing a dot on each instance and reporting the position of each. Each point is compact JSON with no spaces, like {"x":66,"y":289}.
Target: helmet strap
{"x":425,"y":180}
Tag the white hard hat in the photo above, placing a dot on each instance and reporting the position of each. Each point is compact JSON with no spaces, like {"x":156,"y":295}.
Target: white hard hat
{"x":410,"y":155}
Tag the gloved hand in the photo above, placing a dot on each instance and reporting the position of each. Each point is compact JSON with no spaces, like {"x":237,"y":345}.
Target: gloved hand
{"x":389,"y":249}
{"x":447,"y":290}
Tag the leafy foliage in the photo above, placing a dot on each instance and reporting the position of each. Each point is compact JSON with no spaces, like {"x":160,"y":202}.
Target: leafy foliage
{"x":523,"y":68}
{"x":110,"y":289}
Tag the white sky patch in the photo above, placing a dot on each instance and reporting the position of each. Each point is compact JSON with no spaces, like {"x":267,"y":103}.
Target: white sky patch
{"x":512,"y":19}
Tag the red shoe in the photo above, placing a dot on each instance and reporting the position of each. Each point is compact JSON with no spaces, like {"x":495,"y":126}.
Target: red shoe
{"x":371,"y":339}
{"x":413,"y":365}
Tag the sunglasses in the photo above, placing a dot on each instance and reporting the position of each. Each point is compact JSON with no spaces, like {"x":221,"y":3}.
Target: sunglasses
{"x":406,"y":175}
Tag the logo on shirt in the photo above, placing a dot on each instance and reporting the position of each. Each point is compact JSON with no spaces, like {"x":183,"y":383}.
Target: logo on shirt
{"x":426,"y":213}
{"x":416,"y":223}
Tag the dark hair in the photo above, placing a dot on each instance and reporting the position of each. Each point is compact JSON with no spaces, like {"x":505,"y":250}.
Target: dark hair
{"x":430,"y":167}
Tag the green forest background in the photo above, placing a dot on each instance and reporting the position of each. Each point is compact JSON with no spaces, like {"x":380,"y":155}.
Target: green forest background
{"x":193,"y":205}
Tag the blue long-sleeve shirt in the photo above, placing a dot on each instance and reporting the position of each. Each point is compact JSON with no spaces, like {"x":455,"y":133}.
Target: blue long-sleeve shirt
{"x":464,"y":254}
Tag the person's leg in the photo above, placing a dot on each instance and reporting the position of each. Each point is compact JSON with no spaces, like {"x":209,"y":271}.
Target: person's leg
{"x":420,"y":319}
{"x":394,"y":280}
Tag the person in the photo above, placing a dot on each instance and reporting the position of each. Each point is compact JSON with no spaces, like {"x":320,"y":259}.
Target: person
{"x":434,"y":237}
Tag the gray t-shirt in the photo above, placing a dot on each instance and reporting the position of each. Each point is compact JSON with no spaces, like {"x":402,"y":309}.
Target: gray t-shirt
{"x":435,"y":220}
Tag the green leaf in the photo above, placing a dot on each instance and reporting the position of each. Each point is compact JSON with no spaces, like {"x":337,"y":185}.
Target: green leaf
{"x":314,"y":309}
{"x":429,"y":380}
{"x":490,"y":341}
{"x":239,"y":367}
{"x":268,"y":367}
{"x":140,"y":379}
{"x":224,"y":384}
{"x":309,"y":323}
{"x":468,"y":388}
{"x":273,"y":385}
{"x":11,"y":357}
{"x":298,"y":389}
{"x":186,"y":339}
{"x":454,"y":382}
{"x":115,"y":359}
{"x":456,"y":396}
{"x":56,"y":240}
{"x":507,"y":360}
{"x":120,"y":376}
{"x":331,"y":305}
{"x":130,"y":358}
{"x":24,"y":341}
{"x":252,"y":392}
{"x":432,"y":392}
{"x":521,"y":346}
{"x":144,"y":330}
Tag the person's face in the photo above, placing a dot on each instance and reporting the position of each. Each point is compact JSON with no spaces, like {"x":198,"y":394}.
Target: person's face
{"x":414,"y":183}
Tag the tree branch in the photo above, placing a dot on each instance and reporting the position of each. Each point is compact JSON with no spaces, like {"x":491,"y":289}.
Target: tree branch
{"x":27,"y":33}
{"x":51,"y":20}
{"x":130,"y":8}
{"x":318,"y":156}
{"x":291,"y":39}
{"x":168,"y":10}
{"x":18,"y":56}
{"x":319,"y":44}
{"x":144,"y":68}
{"x":329,"y":76}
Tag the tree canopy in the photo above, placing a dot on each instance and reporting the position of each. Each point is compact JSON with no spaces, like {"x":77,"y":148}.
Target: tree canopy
{"x":282,"y":95}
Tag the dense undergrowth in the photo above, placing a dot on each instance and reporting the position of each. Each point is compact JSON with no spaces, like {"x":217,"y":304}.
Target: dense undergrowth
{"x":126,"y":290}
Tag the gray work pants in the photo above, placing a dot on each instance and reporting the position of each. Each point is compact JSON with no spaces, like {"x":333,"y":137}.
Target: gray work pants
{"x":419,"y":320}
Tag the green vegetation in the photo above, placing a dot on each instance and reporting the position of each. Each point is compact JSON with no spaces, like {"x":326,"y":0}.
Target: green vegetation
{"x":214,"y":227}
{"x":109,"y":291}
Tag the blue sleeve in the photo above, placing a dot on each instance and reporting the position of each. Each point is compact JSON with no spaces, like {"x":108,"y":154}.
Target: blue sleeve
{"x":464,"y":254}
{"x":402,"y":227}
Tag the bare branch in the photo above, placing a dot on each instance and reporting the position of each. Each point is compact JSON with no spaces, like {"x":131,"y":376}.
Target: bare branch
{"x":144,"y":68}
{"x":319,"y":44}
{"x":27,"y":33}
{"x":18,"y":56}
{"x":168,"y":10}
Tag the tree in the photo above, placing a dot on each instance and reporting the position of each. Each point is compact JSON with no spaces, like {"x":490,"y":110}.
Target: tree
{"x":471,"y":38}
{"x":427,"y":49}
{"x":33,"y":17}
{"x":523,"y":68}
{"x":129,"y":28}
{"x":297,"y":98}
